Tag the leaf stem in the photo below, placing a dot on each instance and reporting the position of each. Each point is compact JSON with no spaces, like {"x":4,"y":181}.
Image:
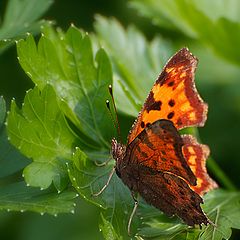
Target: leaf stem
{"x":220,"y":175}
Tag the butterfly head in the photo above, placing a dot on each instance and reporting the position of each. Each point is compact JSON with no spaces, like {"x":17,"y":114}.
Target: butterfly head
{"x":118,"y":150}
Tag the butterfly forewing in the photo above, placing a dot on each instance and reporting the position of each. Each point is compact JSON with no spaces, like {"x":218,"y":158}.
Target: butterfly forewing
{"x":173,"y":96}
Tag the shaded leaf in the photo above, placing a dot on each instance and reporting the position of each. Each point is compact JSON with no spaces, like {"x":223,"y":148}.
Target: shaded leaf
{"x":19,"y":197}
{"x":2,"y":110}
{"x":11,"y":160}
{"x":221,"y":207}
{"x":194,"y":19}
{"x":115,"y":201}
{"x":107,"y":230}
{"x":21,"y":17}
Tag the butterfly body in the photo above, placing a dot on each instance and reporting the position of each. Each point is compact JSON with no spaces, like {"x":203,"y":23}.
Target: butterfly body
{"x":165,"y":168}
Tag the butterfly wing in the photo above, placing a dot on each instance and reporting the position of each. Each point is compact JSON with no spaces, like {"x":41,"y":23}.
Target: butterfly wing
{"x":173,"y":96}
{"x":159,"y":147}
{"x":196,"y":155}
{"x":172,"y":195}
{"x":158,"y":170}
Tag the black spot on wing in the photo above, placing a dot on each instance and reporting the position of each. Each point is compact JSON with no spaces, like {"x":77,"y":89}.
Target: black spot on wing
{"x":171,"y":103}
{"x":151,"y":104}
{"x":170,"y":115}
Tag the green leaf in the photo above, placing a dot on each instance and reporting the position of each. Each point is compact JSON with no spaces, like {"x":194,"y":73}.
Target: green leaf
{"x":107,"y":230}
{"x":221,"y":207}
{"x":19,"y":197}
{"x":11,"y":161}
{"x":40,"y":131}
{"x":66,"y":62}
{"x":2,"y":110}
{"x":196,"y":20}
{"x":21,"y":17}
{"x":137,"y":62}
{"x":115,"y":201}
{"x":224,"y":209}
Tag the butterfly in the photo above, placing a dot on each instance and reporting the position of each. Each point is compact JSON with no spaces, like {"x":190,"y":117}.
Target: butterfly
{"x":165,"y":168}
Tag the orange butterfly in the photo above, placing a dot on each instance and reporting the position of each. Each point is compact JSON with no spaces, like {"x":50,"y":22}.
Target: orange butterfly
{"x":167,"y":169}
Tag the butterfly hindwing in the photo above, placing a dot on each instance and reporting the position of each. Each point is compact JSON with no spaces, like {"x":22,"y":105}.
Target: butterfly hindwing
{"x":172,"y":195}
{"x":162,"y":176}
{"x":173,"y":96}
{"x":196,"y":155}
{"x":159,"y":147}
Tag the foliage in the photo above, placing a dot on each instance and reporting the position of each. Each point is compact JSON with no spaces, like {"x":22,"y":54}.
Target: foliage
{"x":63,"y":127}
{"x":21,"y":17}
{"x":190,"y":17}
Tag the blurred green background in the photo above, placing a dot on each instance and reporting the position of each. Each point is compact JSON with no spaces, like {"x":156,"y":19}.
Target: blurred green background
{"x":218,"y":81}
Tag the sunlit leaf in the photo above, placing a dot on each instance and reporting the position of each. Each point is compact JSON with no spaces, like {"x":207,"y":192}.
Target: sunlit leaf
{"x":40,"y":131}
{"x":137,"y":62}
{"x":66,"y":62}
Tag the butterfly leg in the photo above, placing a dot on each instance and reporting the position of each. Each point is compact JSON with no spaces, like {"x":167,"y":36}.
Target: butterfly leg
{"x":133,"y":212}
{"x":102,"y":164}
{"x":107,"y":183}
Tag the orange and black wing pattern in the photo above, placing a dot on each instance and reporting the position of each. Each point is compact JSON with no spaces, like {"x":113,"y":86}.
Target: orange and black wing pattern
{"x":196,"y":155}
{"x":173,"y":96}
{"x":164,"y":178}
{"x":159,"y":147}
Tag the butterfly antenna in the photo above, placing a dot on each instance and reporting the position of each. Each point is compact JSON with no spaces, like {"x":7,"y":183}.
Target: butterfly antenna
{"x":116,"y":123}
{"x":110,"y":113}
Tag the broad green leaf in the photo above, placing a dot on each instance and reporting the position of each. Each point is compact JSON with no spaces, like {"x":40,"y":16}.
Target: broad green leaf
{"x":11,"y":161}
{"x":192,"y":18}
{"x":66,"y":62}
{"x":224,"y":209}
{"x":19,"y":197}
{"x":40,"y":131}
{"x":115,"y":201}
{"x":107,"y":230}
{"x":21,"y":17}
{"x":137,"y":62}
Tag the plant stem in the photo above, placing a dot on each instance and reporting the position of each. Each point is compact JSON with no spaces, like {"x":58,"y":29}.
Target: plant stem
{"x":222,"y":178}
